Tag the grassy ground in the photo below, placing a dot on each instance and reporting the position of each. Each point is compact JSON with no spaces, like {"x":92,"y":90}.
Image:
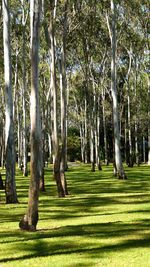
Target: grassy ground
{"x":104,"y":222}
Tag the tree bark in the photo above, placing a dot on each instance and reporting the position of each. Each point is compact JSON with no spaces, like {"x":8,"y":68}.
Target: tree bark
{"x":54,"y":112}
{"x":118,"y":159}
{"x":144,"y":150}
{"x":25,"y":168}
{"x":63,"y":97}
{"x":19,"y":137}
{"x":136,"y":118}
{"x":104,"y":127}
{"x":149,"y":122}
{"x":130,"y":157}
{"x":130,"y":160}
{"x":148,"y":146}
{"x":10,"y":187}
{"x":30,"y":220}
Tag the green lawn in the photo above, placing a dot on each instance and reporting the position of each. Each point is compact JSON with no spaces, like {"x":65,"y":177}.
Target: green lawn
{"x":104,"y":222}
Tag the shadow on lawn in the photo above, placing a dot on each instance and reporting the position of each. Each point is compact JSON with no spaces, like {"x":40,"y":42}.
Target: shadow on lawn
{"x":46,"y":243}
{"x":86,"y":182}
{"x":89,"y":193}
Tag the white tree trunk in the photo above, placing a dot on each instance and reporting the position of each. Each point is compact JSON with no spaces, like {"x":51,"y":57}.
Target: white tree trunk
{"x":63,"y":87}
{"x":11,"y":195}
{"x":82,"y":141}
{"x":130,"y":159}
{"x":54,"y":110}
{"x":118,"y":159}
{"x":25,"y":169}
{"x":85,"y":132}
{"x":19,"y":137}
{"x":144,"y":150}
{"x":129,"y":131}
{"x":136,"y":120}
{"x":92,"y":150}
{"x":104,"y":127}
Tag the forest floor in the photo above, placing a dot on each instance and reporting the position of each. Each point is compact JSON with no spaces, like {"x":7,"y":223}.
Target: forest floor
{"x":103,"y":222}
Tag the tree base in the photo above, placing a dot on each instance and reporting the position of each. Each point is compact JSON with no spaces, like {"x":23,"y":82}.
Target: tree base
{"x":92,"y":167}
{"x":23,"y":225}
{"x":25,"y":174}
{"x":99,"y":167}
{"x":122,"y":177}
{"x":1,"y":183}
{"x":130,"y":164}
{"x":11,"y":200}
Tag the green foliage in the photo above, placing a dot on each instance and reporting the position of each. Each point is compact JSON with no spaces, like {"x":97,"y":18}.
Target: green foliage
{"x":73,"y":144}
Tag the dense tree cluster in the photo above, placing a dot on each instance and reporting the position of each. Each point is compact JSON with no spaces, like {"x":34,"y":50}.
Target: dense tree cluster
{"x":87,"y":64}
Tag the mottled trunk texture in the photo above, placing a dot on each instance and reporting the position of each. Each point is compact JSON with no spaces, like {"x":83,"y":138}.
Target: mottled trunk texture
{"x":118,"y":159}
{"x":29,"y":221}
{"x":10,"y":186}
{"x":54,"y":111}
{"x":63,"y":97}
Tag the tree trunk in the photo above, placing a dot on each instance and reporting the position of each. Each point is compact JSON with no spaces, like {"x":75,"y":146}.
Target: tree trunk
{"x":130,"y":157}
{"x":15,"y":85}
{"x":19,"y":137}
{"x":3,"y":145}
{"x":136,"y":120}
{"x":29,"y":221}
{"x":43,"y":124}
{"x":149,"y":122}
{"x":92,"y":158}
{"x":25,"y":169}
{"x":10,"y":187}
{"x":104,"y":127}
{"x":149,"y":146}
{"x":85,"y":133}
{"x":82,"y":141}
{"x":50,"y":148}
{"x":54,"y":112}
{"x":130,"y":160}
{"x":118,"y":160}
{"x":136,"y":143}
{"x":63,"y":97}
{"x":125,"y":139}
{"x":144,"y":150}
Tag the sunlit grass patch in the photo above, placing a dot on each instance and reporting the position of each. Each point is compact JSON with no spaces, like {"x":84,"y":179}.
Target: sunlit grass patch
{"x":103,"y":222}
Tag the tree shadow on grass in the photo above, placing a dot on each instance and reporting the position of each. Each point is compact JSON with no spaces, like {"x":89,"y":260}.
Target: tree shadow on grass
{"x":89,"y":200}
{"x":83,"y":182}
{"x":61,"y":241}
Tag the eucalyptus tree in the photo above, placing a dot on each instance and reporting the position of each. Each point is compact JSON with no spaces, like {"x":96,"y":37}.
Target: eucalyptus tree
{"x":30,"y":219}
{"x":58,"y":141}
{"x":2,"y":123}
{"x":137,"y":37}
{"x":83,"y":20}
{"x":10,"y":186}
{"x":149,"y":123}
{"x":63,"y":98}
{"x":112,"y":32}
{"x":24,"y":84}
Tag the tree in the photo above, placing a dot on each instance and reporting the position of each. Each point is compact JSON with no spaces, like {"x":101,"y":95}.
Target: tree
{"x":24,"y":84}
{"x":29,"y":221}
{"x":10,"y":186}
{"x":149,"y":123}
{"x":63,"y":97}
{"x":59,"y":148}
{"x":118,"y":159}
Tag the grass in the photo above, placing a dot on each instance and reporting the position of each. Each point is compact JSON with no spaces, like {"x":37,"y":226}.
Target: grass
{"x":104,"y":222}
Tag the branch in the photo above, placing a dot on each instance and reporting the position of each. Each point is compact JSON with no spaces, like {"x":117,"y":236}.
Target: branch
{"x":108,"y":26}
